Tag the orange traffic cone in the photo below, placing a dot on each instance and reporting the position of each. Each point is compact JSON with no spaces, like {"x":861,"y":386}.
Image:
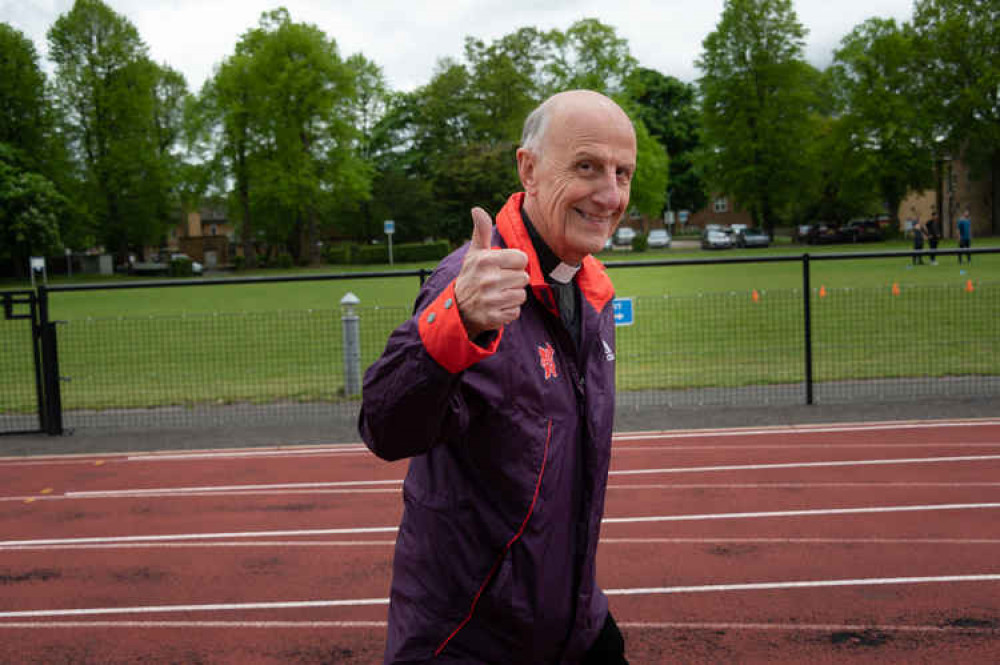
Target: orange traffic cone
{"x":895,"y":288}
{"x":968,"y":287}
{"x":755,"y":296}
{"x":822,"y":291}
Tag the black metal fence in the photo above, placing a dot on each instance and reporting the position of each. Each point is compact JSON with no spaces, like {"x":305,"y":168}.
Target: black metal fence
{"x":795,"y":346}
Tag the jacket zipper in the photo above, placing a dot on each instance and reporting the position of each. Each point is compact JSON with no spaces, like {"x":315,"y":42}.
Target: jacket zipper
{"x":506,"y":549}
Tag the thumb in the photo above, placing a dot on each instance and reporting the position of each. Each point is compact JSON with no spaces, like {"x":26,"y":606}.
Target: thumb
{"x":482,"y":231}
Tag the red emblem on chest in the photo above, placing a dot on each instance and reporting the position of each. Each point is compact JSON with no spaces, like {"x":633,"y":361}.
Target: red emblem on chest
{"x":547,"y":359}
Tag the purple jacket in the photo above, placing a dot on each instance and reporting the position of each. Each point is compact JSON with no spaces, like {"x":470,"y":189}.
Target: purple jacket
{"x":510,"y":447}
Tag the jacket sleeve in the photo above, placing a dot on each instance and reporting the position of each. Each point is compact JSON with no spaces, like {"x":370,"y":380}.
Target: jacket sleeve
{"x":412,"y":398}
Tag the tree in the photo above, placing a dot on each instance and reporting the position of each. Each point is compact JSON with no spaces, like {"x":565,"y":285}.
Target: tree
{"x":25,"y":118}
{"x":668,"y":107}
{"x":30,"y":208}
{"x":882,"y":121}
{"x":106,"y":91}
{"x":283,"y":107}
{"x":589,"y":55}
{"x":222,"y":118}
{"x":958,"y":43}
{"x":649,"y":186}
{"x":756,"y":97}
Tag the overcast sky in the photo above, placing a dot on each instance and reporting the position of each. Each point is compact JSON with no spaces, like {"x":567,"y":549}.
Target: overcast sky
{"x":406,"y":38}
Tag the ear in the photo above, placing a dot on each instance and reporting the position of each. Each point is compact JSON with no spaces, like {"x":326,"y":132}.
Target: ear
{"x":526,"y":167}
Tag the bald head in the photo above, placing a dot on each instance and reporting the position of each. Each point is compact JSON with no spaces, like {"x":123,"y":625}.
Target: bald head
{"x":537,"y":123}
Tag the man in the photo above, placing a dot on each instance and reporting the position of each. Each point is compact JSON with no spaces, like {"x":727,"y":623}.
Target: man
{"x":933,"y":236}
{"x":500,"y":389}
{"x":965,"y":235}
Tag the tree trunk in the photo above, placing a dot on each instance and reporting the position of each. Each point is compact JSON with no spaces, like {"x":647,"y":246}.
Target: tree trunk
{"x":995,"y":192}
{"x":313,"y":239}
{"x":249,"y":250}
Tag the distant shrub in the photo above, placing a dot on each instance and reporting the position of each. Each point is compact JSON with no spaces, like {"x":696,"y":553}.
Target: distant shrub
{"x":418,"y":252}
{"x":640,"y":243}
{"x":240,"y":262}
{"x":181,"y":268}
{"x":284,"y":261}
{"x":404,"y":253}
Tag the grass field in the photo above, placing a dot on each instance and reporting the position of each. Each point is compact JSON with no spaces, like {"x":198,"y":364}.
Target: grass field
{"x":696,"y":326}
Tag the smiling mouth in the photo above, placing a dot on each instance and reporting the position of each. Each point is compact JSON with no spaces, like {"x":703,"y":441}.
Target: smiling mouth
{"x":593,"y":219}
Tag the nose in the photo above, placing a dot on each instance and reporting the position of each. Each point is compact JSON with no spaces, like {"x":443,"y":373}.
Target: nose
{"x":607,"y":193}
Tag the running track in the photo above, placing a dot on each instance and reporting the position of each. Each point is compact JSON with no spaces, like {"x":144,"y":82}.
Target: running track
{"x":850,"y":543}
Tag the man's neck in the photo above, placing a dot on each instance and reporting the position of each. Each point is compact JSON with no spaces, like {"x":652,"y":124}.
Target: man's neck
{"x":552,"y":267}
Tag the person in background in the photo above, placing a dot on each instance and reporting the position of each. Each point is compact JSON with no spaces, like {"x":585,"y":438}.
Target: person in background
{"x":918,"y":240}
{"x":933,"y":236}
{"x":965,"y":235}
{"x":500,"y":390}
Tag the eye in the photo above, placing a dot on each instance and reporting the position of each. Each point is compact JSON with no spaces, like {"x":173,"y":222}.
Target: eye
{"x":585,"y":167}
{"x":624,"y":174}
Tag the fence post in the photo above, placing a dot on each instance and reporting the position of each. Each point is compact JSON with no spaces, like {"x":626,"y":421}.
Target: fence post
{"x":352,"y":344}
{"x":52,"y":417}
{"x":807,"y":310}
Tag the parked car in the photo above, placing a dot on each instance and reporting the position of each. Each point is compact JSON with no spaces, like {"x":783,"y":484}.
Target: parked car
{"x":822,"y":233}
{"x":862,"y":230}
{"x":658,"y":238}
{"x":624,"y":235}
{"x":752,"y":237}
{"x":801,"y":233}
{"x":196,"y":267}
{"x":715,"y":239}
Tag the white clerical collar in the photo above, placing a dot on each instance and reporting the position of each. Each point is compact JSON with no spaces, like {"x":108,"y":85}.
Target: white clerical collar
{"x":563,"y":273}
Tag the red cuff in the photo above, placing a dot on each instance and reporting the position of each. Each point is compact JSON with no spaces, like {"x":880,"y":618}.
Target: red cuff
{"x":445,"y":338}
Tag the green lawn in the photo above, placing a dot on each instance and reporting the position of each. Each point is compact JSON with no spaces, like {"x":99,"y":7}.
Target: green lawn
{"x":696,"y":326}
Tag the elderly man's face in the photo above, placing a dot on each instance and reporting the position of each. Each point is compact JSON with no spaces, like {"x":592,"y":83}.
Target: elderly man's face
{"x":578,"y":187}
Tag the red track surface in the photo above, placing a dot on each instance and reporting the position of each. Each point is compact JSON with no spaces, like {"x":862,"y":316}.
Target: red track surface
{"x":868,"y":544}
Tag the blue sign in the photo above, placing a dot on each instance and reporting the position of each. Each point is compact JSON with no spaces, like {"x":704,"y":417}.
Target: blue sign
{"x":624,"y":315}
{"x":389,"y":226}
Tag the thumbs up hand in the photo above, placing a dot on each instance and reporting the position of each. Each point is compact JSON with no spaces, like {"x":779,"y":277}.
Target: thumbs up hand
{"x":489,"y":290}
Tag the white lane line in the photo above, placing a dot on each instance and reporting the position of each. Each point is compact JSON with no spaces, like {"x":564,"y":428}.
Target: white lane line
{"x":810,"y":584}
{"x":800,"y":541}
{"x":807,"y":465}
{"x":197,"y":536}
{"x":225,"y":455}
{"x":215,"y":607}
{"x":799,"y":513}
{"x":203,"y":545}
{"x":304,"y":533}
{"x":811,"y":446}
{"x":154,"y":495}
{"x":780,"y":486}
{"x":293,"y":490}
{"x":313,"y":604}
{"x":193,"y":624}
{"x":162,"y":491}
{"x":285,"y":544}
{"x":805,"y":429}
{"x":629,"y":625}
{"x":808,"y":627}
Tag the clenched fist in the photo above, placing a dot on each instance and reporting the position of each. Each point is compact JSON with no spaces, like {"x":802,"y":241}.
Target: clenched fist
{"x":489,"y":290}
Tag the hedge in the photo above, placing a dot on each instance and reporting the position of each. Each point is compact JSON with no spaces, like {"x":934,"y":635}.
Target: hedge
{"x":377,"y":254}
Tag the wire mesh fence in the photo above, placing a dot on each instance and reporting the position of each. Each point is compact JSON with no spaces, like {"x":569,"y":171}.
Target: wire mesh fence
{"x":212,"y":370}
{"x":18,"y":398}
{"x":742,"y":348}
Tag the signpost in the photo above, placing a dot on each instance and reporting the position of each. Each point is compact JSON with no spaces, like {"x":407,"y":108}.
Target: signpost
{"x":37,"y":267}
{"x":389,"y":226}
{"x":624,"y":314}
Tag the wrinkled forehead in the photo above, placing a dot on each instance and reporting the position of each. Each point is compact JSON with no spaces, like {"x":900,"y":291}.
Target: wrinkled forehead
{"x":595,"y":126}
